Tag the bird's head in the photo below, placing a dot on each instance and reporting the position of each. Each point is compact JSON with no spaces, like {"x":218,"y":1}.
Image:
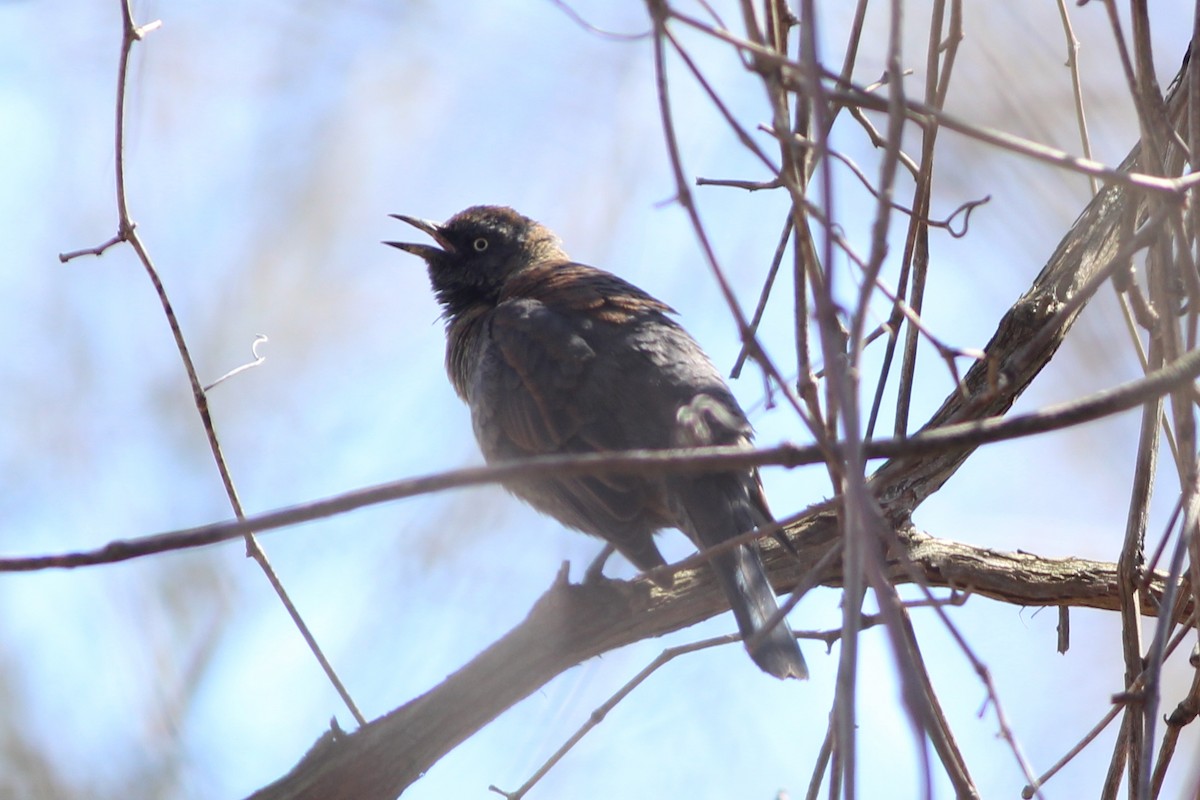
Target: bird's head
{"x":477,"y":251}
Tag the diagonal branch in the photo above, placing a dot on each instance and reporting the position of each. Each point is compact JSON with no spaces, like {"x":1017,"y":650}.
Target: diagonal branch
{"x":571,"y":623}
{"x":1031,"y":331}
{"x":127,"y":232}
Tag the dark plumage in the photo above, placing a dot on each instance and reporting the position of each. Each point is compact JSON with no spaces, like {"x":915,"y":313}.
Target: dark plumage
{"x":558,"y":357}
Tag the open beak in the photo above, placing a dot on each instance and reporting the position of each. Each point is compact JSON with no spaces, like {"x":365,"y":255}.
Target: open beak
{"x":423,"y":250}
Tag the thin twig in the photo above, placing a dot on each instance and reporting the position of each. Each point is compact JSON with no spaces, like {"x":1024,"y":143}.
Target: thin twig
{"x":922,"y":113}
{"x":602,"y":711}
{"x":127,"y":232}
{"x":258,"y":360}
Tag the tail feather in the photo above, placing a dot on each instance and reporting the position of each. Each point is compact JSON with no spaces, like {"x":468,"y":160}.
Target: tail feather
{"x":717,"y":508}
{"x":744,"y":581}
{"x":712,"y":509}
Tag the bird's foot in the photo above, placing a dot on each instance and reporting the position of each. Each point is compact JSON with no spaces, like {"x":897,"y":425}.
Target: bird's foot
{"x":595,"y":571}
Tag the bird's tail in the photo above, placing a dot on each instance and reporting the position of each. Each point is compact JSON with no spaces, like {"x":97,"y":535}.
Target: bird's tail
{"x":744,"y":581}
{"x":715,"y":508}
{"x":719,"y":508}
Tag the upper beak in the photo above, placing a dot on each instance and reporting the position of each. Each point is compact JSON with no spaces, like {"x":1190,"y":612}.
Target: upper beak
{"x":423,"y":250}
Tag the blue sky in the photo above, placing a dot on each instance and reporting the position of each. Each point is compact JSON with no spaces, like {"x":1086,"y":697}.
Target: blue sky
{"x":267,"y":142}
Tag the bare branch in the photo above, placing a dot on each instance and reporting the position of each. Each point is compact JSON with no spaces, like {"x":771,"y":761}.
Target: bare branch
{"x":573,"y":622}
{"x":127,"y":232}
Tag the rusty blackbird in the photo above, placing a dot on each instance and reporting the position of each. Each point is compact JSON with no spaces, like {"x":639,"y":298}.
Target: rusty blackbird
{"x":556,"y":357}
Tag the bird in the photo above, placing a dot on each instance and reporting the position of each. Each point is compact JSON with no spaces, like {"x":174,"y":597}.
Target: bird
{"x":557,"y":357}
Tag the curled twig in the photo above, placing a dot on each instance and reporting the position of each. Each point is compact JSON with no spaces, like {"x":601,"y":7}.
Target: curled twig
{"x":258,"y":359}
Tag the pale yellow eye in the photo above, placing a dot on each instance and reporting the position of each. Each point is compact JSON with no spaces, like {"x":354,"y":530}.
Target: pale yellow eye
{"x":480,"y":244}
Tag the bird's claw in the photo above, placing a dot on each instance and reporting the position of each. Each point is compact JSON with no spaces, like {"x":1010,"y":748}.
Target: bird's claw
{"x":595,"y":572}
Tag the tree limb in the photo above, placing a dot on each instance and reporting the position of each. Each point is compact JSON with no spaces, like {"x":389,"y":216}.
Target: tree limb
{"x":571,"y":623}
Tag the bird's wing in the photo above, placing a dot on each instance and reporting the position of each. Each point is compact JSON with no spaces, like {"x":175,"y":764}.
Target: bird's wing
{"x":545,"y":392}
{"x":550,"y":390}
{"x":537,"y":363}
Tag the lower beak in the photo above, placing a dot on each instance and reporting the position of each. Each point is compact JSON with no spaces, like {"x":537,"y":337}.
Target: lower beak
{"x":426,"y":226}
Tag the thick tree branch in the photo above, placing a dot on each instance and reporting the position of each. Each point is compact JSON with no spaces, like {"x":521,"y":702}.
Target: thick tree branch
{"x":571,"y":623}
{"x":1031,"y":331}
